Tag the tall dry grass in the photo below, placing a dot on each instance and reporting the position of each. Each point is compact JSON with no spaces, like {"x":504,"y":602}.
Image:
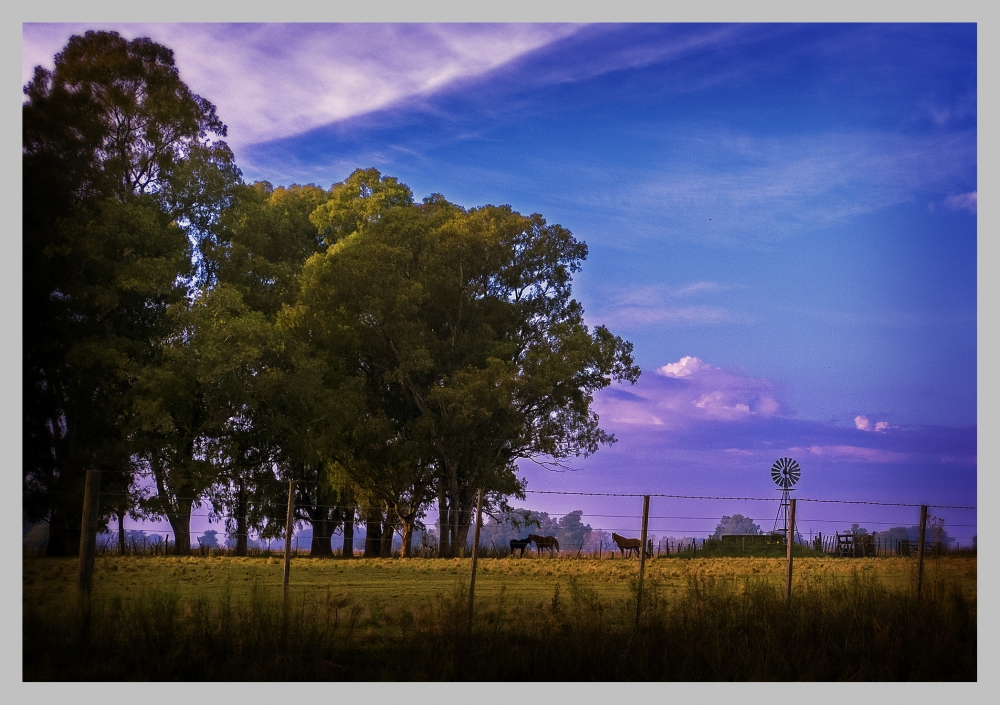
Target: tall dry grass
{"x":718,"y":629}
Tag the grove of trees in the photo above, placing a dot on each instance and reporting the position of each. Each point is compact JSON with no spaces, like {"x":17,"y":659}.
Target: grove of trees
{"x":735,"y":524}
{"x":191,"y":340}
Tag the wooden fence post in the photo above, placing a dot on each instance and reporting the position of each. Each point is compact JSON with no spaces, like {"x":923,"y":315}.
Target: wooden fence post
{"x":642,"y":557}
{"x":88,"y":535}
{"x":920,"y":549}
{"x":288,"y":535}
{"x":475,"y":557}
{"x":790,"y":539}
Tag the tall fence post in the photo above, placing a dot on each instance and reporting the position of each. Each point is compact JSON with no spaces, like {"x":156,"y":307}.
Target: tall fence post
{"x":88,"y":536}
{"x":790,"y":540}
{"x":920,"y":549}
{"x":288,"y":535}
{"x":642,"y":557}
{"x":475,"y":558}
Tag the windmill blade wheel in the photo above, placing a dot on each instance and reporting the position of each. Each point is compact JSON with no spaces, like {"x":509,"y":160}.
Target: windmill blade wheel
{"x":785,"y":472}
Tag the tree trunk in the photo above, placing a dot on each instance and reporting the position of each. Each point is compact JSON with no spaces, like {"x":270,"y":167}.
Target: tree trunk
{"x":322,"y":533}
{"x":454,"y":512}
{"x":463,"y":516}
{"x":121,"y":533}
{"x":444,"y":523}
{"x":241,"y":521}
{"x":64,"y":532}
{"x":348,"y":551}
{"x":180,"y":522}
{"x":406,"y":550}
{"x":373,"y":533}
{"x":388,"y":532}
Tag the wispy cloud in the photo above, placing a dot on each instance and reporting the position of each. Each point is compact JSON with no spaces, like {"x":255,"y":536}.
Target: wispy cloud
{"x":771,"y":188}
{"x":963,"y":201}
{"x":639,"y":306}
{"x":858,"y":453}
{"x":685,"y":49}
{"x":276,"y":80}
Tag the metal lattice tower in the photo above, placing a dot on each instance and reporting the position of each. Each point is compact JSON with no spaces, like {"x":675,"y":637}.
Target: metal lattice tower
{"x":785,"y":473}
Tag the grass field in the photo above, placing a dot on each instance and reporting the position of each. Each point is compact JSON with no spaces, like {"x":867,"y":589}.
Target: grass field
{"x":50,"y":582}
{"x":704,"y":619}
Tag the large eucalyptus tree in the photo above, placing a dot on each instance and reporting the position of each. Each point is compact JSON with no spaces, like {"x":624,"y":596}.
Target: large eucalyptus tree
{"x":123,"y":171}
{"x":462,"y":320}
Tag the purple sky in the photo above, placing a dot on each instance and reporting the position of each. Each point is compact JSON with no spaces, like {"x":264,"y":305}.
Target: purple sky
{"x":781,"y":218}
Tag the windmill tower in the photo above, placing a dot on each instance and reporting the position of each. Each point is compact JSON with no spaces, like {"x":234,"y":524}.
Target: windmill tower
{"x":785,"y":473}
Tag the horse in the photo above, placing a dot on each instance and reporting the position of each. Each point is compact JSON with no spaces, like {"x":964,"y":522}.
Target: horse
{"x":625,"y":544}
{"x":519,"y":544}
{"x":541,"y":542}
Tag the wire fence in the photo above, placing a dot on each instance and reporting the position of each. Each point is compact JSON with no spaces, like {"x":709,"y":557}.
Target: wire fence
{"x":677,"y":526}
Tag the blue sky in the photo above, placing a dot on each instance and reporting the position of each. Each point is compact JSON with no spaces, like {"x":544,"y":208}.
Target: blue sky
{"x":781,"y":218}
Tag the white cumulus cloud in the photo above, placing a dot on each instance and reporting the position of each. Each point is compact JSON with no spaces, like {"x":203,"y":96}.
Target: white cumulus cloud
{"x":691,"y":390}
{"x":685,"y":367}
{"x":862,"y":423}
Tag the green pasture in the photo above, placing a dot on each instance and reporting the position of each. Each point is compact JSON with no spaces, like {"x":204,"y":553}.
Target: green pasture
{"x":51,"y":581}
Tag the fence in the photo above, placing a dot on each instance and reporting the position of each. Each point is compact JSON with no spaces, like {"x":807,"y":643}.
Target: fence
{"x":856,"y":542}
{"x":674,"y":529}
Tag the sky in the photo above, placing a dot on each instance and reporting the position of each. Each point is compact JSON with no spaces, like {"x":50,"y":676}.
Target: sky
{"x":781,"y":218}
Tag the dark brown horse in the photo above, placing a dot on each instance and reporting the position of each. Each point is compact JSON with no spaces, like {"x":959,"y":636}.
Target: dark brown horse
{"x":625,"y":544}
{"x":519,"y":544}
{"x":541,"y":542}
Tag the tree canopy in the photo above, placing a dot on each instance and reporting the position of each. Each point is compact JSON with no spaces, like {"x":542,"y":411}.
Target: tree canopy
{"x":121,"y":165}
{"x":221,"y":338}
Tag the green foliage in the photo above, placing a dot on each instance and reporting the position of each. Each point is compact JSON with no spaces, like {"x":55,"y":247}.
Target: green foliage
{"x":462,"y":326}
{"x":223,"y":338}
{"x":109,"y":139}
{"x":360,"y":200}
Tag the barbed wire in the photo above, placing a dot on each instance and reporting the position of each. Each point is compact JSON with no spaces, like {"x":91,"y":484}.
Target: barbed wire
{"x":207,"y":499}
{"x":741,"y":499}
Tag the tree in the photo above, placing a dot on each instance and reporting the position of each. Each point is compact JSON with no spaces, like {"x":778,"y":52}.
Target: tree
{"x":509,"y":523}
{"x":120,"y":162}
{"x":288,"y":398}
{"x":209,"y":539}
{"x":464,"y":322}
{"x":735,"y":524}
{"x":573,"y":533}
{"x":934,"y":532}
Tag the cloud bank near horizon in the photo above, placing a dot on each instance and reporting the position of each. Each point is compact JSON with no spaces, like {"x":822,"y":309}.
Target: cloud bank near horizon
{"x":689,"y":408}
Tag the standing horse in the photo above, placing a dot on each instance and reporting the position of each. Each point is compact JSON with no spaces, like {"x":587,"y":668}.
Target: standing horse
{"x":625,"y":544}
{"x":519,"y":544}
{"x":541,"y":542}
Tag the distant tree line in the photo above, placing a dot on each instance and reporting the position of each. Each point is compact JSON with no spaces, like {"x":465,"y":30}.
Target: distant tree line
{"x":192,"y":340}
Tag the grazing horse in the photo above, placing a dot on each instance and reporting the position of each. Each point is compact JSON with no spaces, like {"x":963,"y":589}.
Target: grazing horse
{"x":519,"y":544}
{"x":541,"y":542}
{"x":625,"y":544}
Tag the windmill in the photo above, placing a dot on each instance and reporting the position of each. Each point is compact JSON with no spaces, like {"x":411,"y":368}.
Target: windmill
{"x":785,"y":473}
